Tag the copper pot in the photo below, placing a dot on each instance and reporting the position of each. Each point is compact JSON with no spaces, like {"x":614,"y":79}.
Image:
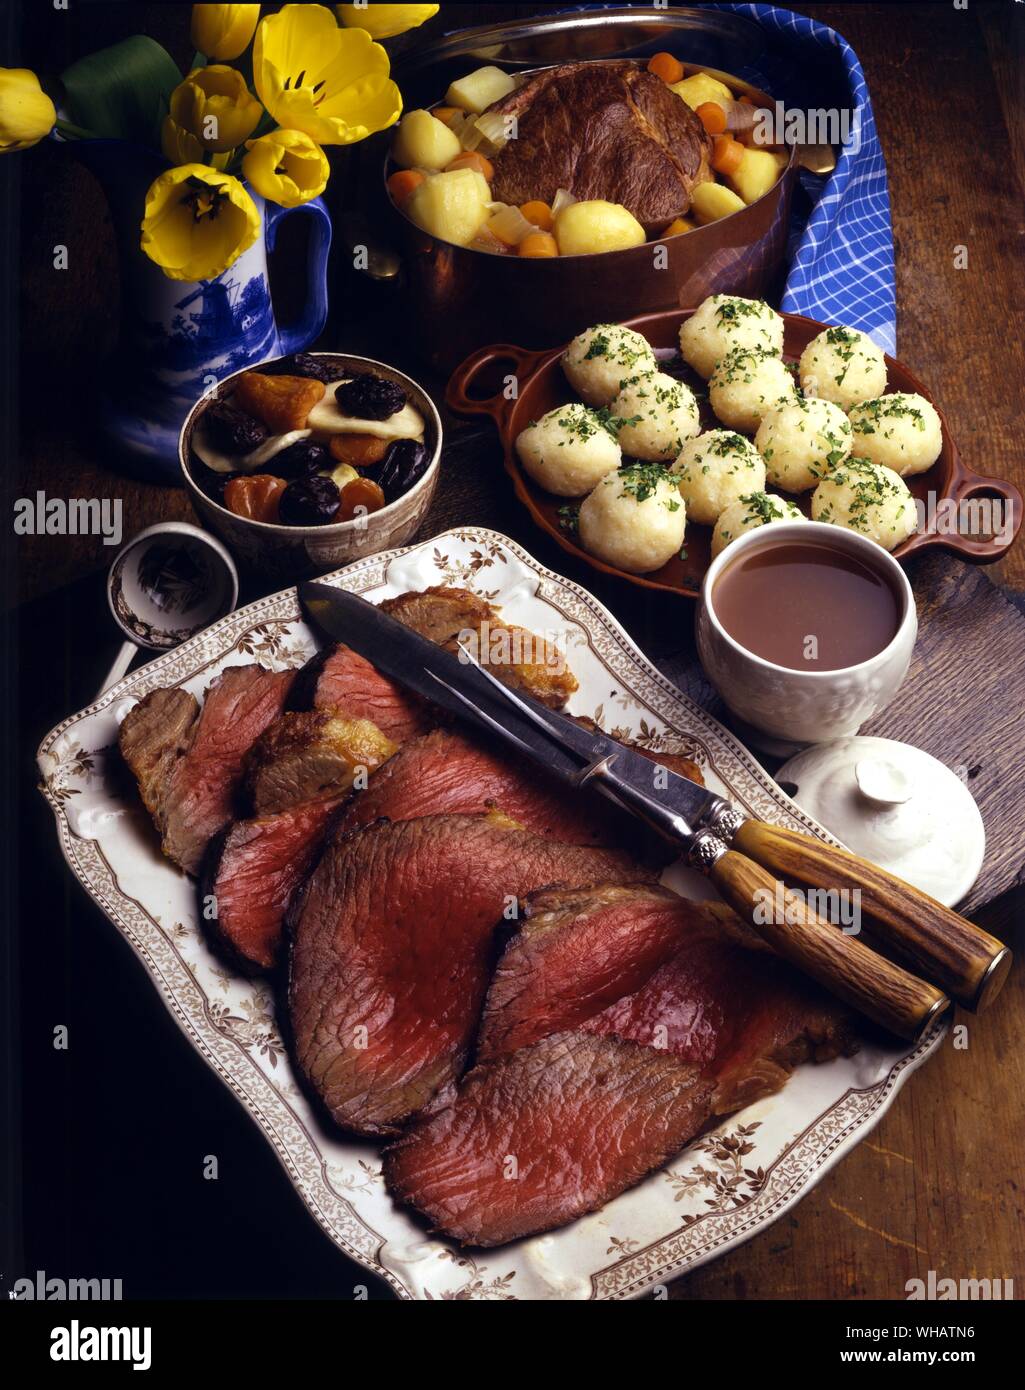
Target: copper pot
{"x":455,"y":300}
{"x":458,"y":299}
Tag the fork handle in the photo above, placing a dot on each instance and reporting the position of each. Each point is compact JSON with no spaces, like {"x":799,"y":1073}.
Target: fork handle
{"x":870,"y":983}
{"x":924,"y":935}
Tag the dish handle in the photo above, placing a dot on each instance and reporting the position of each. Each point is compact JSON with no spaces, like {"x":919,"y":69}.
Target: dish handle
{"x":499,"y":405}
{"x":969,"y":486}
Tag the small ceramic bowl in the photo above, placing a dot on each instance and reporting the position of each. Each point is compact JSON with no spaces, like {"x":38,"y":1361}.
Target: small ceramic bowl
{"x":289,"y":552}
{"x":783,"y":709}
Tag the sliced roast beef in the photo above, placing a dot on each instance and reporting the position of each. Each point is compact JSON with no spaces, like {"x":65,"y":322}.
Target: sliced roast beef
{"x":339,"y":679}
{"x":451,"y":773}
{"x":525,"y":661}
{"x":607,"y":130}
{"x":643,"y":964}
{"x":541,"y":1136}
{"x":251,"y":876}
{"x":391,"y":944}
{"x":307,"y":756}
{"x":188,"y":774}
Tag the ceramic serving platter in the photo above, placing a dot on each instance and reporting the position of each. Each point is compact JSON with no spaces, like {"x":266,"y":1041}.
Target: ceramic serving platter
{"x":721,"y":1190}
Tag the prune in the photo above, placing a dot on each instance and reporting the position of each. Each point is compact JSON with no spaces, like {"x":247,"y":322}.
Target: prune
{"x":369,"y":397}
{"x":304,"y":364}
{"x":404,"y":464}
{"x":310,"y":501}
{"x":231,"y":430}
{"x":300,"y":458}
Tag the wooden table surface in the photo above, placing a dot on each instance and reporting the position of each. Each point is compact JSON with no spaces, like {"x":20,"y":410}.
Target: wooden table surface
{"x":937,"y":1186}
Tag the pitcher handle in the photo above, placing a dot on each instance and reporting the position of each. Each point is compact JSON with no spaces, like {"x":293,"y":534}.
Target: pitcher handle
{"x":295,"y":337}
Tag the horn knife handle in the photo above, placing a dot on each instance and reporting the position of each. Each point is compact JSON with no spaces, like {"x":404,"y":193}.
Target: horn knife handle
{"x":841,"y":963}
{"x":924,"y":935}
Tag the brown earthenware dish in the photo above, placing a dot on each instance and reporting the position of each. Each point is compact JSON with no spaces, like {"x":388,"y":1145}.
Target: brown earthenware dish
{"x":541,"y":386}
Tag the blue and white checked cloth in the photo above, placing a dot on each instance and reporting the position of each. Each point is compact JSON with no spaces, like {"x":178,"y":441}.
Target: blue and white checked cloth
{"x":841,"y":258}
{"x":841,"y":242}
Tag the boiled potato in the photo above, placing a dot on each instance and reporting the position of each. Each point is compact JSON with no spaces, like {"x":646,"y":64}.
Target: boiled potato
{"x":753,"y":510}
{"x":654,"y":414}
{"x":702,"y":87}
{"x":801,"y":440}
{"x":746,"y":384}
{"x":634,"y":519}
{"x":725,"y":321}
{"x":424,"y":142}
{"x":568,"y":450}
{"x":476,"y":92}
{"x":843,"y":365}
{"x":602,"y":357}
{"x":901,"y":431}
{"x":452,"y":205}
{"x":868,"y":498}
{"x":587,"y":228}
{"x":756,"y":174}
{"x":710,"y":201}
{"x":715,"y":470}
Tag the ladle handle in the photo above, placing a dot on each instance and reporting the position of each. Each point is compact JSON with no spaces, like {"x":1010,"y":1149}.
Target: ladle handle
{"x":120,"y":665}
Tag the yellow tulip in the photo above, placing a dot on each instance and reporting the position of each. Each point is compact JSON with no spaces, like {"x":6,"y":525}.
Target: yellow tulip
{"x":287,"y":167}
{"x":26,"y":112}
{"x":223,"y":31}
{"x":197,"y":222}
{"x":215,"y":106}
{"x":181,"y":147}
{"x":333,"y":84}
{"x":385,"y":21}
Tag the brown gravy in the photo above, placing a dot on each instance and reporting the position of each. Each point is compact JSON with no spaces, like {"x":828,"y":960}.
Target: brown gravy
{"x":807,"y":606}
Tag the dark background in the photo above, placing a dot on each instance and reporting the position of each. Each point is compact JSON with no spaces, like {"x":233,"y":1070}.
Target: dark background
{"x":114,"y":1130}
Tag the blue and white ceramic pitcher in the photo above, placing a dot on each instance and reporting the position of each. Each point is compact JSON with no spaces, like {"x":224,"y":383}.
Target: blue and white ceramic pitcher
{"x":177,"y":339}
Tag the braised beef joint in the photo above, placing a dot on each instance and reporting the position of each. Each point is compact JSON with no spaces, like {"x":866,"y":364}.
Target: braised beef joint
{"x":606,"y":130}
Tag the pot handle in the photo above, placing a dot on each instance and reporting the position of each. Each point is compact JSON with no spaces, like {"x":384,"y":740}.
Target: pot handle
{"x":295,"y":337}
{"x":978,"y":552}
{"x":499,"y":406}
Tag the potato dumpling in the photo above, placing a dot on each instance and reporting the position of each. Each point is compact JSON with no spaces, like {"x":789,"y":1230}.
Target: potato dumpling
{"x":746,"y":384}
{"x":654,"y":415}
{"x":800,"y":440}
{"x":424,"y":142}
{"x":753,"y":510}
{"x":568,"y":450}
{"x":901,"y":431}
{"x":598,"y":359}
{"x":634,"y":519}
{"x":726,"y":321}
{"x":868,"y":498}
{"x":715,"y":470}
{"x":593,"y":226}
{"x":844,"y":366}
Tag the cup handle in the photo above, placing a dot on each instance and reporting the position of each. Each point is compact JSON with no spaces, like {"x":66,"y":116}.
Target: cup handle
{"x":295,"y":337}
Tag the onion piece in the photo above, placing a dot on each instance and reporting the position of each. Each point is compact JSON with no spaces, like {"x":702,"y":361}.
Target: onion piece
{"x":492,"y":126}
{"x":563,"y":199}
{"x":470,"y":135}
{"x":510,"y":226}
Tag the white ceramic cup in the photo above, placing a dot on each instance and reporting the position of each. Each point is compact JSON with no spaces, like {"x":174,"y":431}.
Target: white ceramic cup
{"x":786,"y":709}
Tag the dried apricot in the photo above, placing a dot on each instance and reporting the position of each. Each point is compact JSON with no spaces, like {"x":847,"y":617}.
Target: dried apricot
{"x":255,"y":496}
{"x":363,"y":493}
{"x":281,"y":402}
{"x":361,"y":450}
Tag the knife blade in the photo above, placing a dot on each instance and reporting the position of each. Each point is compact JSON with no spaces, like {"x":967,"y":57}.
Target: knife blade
{"x":557,"y":743}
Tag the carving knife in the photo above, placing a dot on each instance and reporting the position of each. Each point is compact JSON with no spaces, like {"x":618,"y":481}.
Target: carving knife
{"x":745,"y":858}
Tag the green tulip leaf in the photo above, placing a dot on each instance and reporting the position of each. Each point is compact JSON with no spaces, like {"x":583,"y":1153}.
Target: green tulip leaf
{"x":122,"y":92}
